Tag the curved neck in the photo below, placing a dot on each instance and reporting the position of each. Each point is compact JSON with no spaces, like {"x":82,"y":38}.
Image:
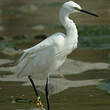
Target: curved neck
{"x":69,"y":25}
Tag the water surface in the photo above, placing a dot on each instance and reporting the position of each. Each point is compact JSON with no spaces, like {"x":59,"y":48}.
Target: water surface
{"x":77,"y":85}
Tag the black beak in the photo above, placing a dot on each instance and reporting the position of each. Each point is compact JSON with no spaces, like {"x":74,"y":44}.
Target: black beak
{"x":84,"y":11}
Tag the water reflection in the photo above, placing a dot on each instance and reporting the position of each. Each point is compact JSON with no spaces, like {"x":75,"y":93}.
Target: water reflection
{"x":5,"y":61}
{"x":56,"y":85}
{"x":77,"y":67}
{"x":59,"y":85}
{"x":69,"y":67}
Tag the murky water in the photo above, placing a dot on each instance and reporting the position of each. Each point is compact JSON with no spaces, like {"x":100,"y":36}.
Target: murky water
{"x":76,"y":87}
{"x":76,"y":90}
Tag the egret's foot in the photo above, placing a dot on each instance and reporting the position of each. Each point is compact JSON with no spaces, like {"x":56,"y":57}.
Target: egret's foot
{"x":38,"y":103}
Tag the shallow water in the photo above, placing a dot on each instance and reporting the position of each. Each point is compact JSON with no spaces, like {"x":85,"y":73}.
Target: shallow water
{"x":76,"y":91}
{"x":77,"y":87}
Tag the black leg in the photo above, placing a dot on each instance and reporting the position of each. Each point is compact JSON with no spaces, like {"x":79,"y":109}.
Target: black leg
{"x":33,"y":85}
{"x":47,"y":94}
{"x":39,"y":103}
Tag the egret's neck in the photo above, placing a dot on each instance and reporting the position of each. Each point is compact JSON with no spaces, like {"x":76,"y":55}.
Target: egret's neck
{"x":68,"y":24}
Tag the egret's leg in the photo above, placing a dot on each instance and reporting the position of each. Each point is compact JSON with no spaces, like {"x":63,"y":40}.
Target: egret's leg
{"x":39,"y":103}
{"x":47,"y":94}
{"x":33,"y":85}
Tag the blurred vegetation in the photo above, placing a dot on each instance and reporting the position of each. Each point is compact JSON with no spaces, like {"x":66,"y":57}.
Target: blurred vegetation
{"x":95,"y":37}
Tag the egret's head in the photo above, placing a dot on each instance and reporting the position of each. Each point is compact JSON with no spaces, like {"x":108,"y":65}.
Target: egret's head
{"x":71,"y":7}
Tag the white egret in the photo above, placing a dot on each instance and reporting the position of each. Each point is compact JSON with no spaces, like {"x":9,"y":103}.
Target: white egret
{"x":44,"y":58}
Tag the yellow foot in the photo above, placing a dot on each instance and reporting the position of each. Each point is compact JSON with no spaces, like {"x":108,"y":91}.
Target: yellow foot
{"x":39,"y":103}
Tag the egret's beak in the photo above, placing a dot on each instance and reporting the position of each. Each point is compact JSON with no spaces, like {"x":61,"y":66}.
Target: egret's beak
{"x":84,"y":11}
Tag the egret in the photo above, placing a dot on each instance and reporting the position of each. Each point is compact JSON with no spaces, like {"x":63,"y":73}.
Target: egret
{"x":46,"y":57}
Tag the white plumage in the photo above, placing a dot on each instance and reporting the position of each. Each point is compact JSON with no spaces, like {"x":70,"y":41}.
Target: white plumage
{"x":44,"y":58}
{"x":47,"y":56}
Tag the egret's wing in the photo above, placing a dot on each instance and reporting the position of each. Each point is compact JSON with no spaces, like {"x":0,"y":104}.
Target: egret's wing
{"x":30,"y":51}
{"x":28,"y":56}
{"x":50,"y":41}
{"x":38,"y":55}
